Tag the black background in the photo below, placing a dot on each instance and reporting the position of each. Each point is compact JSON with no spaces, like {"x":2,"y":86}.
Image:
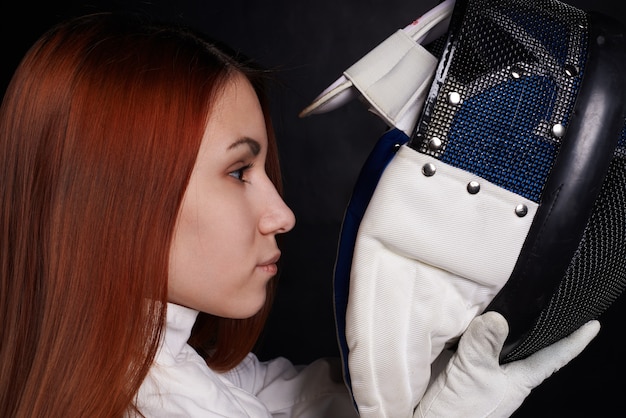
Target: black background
{"x":309,"y":44}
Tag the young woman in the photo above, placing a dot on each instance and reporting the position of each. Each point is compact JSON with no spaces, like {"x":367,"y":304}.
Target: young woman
{"x":139,"y":168}
{"x":139,"y":212}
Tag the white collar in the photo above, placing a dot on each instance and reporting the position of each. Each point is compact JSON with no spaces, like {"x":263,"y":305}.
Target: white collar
{"x":179,"y":322}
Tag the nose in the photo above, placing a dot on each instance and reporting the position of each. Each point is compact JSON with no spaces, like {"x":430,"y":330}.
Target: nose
{"x":277,"y":217}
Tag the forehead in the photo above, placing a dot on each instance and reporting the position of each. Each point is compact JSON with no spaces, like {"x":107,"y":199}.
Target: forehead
{"x":236,"y":113}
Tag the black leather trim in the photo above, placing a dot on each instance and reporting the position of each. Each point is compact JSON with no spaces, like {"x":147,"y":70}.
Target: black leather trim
{"x":573,"y":184}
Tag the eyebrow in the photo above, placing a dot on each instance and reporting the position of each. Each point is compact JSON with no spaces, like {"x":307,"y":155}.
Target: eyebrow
{"x":254,"y":145}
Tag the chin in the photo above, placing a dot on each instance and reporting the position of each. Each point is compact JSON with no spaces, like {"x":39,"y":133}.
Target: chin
{"x":251,"y":309}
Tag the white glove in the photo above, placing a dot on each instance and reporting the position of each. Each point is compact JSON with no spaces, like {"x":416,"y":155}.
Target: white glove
{"x":474,"y":384}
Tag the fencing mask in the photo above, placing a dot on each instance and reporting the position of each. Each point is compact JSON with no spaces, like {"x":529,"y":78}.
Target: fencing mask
{"x":500,"y":185}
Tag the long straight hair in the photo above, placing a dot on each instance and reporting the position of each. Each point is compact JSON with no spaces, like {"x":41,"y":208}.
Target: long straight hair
{"x":99,"y":131}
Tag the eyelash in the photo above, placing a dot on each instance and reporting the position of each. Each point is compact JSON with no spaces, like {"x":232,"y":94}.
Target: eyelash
{"x":239,"y":173}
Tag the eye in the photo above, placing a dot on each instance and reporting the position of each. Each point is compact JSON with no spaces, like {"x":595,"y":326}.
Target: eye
{"x":240,"y":173}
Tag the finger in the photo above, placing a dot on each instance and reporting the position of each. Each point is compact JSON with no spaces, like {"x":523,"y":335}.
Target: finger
{"x":548,"y":360}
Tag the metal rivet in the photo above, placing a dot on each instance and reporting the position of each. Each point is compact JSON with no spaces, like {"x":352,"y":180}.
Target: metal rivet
{"x":454,"y":98}
{"x":473,"y":187}
{"x":516,"y":72}
{"x":558,"y":130}
{"x":396,"y":147}
{"x":571,"y":70}
{"x":434,"y":144}
{"x":429,"y":169}
{"x":521,"y":210}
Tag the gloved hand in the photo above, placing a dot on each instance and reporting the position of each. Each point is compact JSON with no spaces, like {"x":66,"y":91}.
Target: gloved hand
{"x":474,"y":384}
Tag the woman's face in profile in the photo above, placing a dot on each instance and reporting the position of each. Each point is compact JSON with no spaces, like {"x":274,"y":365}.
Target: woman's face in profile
{"x":224,"y":247}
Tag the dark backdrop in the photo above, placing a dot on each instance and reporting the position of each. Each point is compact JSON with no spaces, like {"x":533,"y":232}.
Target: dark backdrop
{"x":309,"y":44}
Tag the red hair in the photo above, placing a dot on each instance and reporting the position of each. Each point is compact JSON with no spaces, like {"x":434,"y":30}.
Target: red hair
{"x":99,"y":131}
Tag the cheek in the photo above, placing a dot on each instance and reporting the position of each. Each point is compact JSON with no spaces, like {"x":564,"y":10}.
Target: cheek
{"x":209,"y":242}
{"x":195,"y":267}
{"x":193,"y":248}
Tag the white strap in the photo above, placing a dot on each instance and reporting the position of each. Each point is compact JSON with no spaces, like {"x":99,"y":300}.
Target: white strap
{"x":393,"y":77}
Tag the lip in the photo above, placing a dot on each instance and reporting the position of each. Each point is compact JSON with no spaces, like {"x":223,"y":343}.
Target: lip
{"x":269,"y":265}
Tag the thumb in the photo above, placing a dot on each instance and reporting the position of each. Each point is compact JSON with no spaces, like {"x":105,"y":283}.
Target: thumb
{"x":482,"y":342}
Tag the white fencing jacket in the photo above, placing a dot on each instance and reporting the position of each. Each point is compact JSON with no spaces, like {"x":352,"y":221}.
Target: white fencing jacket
{"x":180,"y":384}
